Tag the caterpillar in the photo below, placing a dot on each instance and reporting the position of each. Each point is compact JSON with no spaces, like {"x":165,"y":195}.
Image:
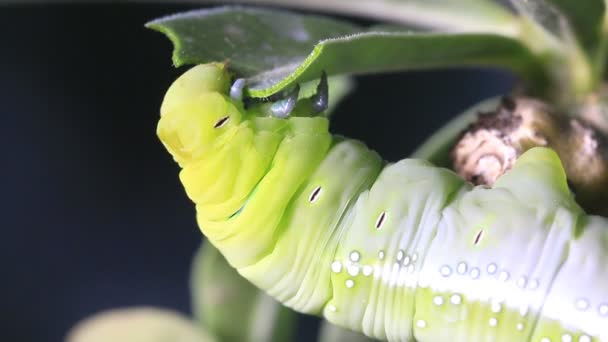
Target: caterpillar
{"x":401,"y":251}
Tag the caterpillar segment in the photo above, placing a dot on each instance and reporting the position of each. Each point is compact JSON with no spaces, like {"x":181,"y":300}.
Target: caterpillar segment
{"x":399,"y":251}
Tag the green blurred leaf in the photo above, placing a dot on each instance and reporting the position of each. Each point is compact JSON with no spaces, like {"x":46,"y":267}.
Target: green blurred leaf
{"x":137,"y":324}
{"x":585,"y":17}
{"x":275,"y":49}
{"x":230,"y":307}
{"x":333,"y":333}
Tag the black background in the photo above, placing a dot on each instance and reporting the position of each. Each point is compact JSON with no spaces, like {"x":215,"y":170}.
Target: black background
{"x":92,"y":214}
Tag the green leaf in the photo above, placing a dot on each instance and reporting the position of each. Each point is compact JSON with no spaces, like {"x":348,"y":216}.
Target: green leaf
{"x":333,"y":333}
{"x":447,"y":15}
{"x":137,"y":324}
{"x":275,"y":49}
{"x":585,"y":17}
{"x":252,"y":40}
{"x":230,"y":307}
{"x":578,"y":29}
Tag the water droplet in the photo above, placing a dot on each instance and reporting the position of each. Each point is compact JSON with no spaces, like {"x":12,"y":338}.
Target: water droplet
{"x":456,"y":299}
{"x":367,"y":270}
{"x":381,"y":255}
{"x":349,"y":283}
{"x":503,"y":276}
{"x":421,"y":323}
{"x":566,"y":338}
{"x":355,"y":256}
{"x":438,"y":300}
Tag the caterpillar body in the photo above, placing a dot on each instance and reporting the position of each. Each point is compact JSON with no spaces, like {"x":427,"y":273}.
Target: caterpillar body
{"x":399,"y":251}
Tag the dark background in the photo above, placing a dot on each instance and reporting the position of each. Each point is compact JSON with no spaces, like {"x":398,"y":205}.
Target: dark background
{"x":92,"y":214}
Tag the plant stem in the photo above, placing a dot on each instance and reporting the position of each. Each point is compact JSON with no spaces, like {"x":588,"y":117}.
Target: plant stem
{"x":599,"y":62}
{"x":571,"y":70}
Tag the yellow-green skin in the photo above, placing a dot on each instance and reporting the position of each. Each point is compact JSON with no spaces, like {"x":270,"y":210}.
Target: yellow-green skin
{"x":404,"y":251}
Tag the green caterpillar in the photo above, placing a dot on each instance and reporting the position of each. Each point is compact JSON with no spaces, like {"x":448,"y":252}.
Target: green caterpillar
{"x":399,"y":251}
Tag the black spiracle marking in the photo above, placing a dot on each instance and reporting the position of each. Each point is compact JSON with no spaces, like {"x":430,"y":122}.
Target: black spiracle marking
{"x":221,"y":122}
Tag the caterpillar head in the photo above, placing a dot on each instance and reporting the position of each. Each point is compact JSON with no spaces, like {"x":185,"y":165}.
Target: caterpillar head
{"x":203,"y":78}
{"x":196,"y":113}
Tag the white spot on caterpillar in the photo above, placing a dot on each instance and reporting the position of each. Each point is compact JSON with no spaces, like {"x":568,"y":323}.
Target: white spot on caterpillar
{"x":503,"y":276}
{"x":584,"y":338}
{"x":493,"y":322}
{"x":421,"y":323}
{"x":522,"y":281}
{"x":410,"y":268}
{"x":475,"y":273}
{"x":349,"y":283}
{"x":534,"y":284}
{"x":353,"y":270}
{"x":461,"y":268}
{"x":367,"y":270}
{"x":381,"y":219}
{"x":415,"y":257}
{"x":545,"y":339}
{"x":221,"y":122}
{"x":520,"y":326}
{"x":355,"y":256}
{"x":523,"y":310}
{"x":492,"y":268}
{"x":456,"y":299}
{"x":314,"y":195}
{"x":496,"y":307}
{"x":566,"y":338}
{"x":438,"y":300}
{"x":336,"y":266}
{"x":406,"y":261}
{"x":603,"y":309}
{"x":332,"y":308}
{"x":582,"y":304}
{"x":381,"y":255}
{"x":400,"y":255}
{"x":445,"y":270}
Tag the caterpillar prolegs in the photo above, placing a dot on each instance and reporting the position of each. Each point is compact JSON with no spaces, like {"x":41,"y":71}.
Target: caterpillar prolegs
{"x":399,"y":251}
